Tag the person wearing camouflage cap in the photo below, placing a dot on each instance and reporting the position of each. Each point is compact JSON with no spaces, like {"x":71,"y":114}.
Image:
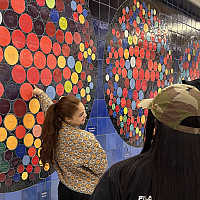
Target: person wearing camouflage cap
{"x":168,"y":167}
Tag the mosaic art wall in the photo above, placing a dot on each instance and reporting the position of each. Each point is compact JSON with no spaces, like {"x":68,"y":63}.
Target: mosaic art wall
{"x":139,"y":61}
{"x":50,"y":44}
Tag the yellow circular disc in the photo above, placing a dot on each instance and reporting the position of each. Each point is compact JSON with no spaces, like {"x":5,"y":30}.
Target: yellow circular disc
{"x":172,"y":71}
{"x":143,"y":11}
{"x":74,"y":78}
{"x":39,"y":151}
{"x":134,"y":39}
{"x":194,"y":52}
{"x":169,"y":52}
{"x":134,"y":8}
{"x":159,"y":67}
{"x":121,"y":118}
{"x":24,"y":175}
{"x":146,"y":29}
{"x":29,"y":121}
{"x":137,"y":130}
{"x":82,"y":47}
{"x":82,"y":92}
{"x":11,"y":55}
{"x":93,"y":56}
{"x":78,"y":67}
{"x":88,"y":98}
{"x":11,"y":142}
{"x":89,"y":78}
{"x":82,"y":19}
{"x":3,"y":134}
{"x":89,"y":51}
{"x":10,"y":122}
{"x":140,"y":133}
{"x":138,"y":4}
{"x":143,"y":119}
{"x":154,"y":11}
{"x":37,"y":143}
{"x":126,"y":54}
{"x":189,"y":57}
{"x":125,"y":110}
{"x":61,"y":61}
{"x":28,"y":140}
{"x":68,"y":86}
{"x":85,"y":54}
{"x":63,"y":23}
{"x":130,"y":39}
{"x":34,"y":106}
{"x":149,"y":7}
{"x":159,"y":89}
{"x":46,"y":167}
{"x":116,"y":77}
{"x":50,"y":3}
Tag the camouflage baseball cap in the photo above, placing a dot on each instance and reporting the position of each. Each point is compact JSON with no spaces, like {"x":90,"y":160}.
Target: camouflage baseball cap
{"x":173,"y":104}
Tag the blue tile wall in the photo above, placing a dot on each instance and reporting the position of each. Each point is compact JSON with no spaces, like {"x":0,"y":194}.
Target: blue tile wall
{"x":102,"y":13}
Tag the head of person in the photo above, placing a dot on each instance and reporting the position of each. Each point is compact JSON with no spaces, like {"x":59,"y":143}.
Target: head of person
{"x":169,"y":166}
{"x":69,"y":110}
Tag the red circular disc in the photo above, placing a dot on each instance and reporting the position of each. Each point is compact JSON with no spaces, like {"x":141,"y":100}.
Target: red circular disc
{"x":77,"y":38}
{"x":32,"y":42}
{"x":35,"y":160}
{"x":59,"y":36}
{"x":65,"y":50}
{"x":40,"y":118}
{"x":26,"y":58}
{"x":31,"y":151}
{"x":18,"y":74}
{"x":56,"y":49}
{"x":59,"y":89}
{"x":29,"y":168}
{"x":20,"y":168}
{"x":19,"y":108}
{"x":46,"y":76}
{"x":50,"y":29}
{"x":57,"y":75}
{"x":4,"y":36}
{"x":26,"y":91}
{"x":39,"y":60}
{"x":66,"y":73}
{"x":20,"y":131}
{"x":51,"y":61}
{"x":25,"y":23}
{"x":18,"y":39}
{"x":68,"y":38}
{"x":45,"y":44}
{"x":37,"y":169}
{"x":33,"y":75}
{"x":4,"y":4}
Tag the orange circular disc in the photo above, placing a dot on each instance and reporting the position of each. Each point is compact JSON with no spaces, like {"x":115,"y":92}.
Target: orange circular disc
{"x":77,"y":38}
{"x":18,"y":6}
{"x":68,"y":37}
{"x":26,"y":91}
{"x":65,"y":50}
{"x":39,"y":60}
{"x":56,"y":49}
{"x":45,"y":44}
{"x":32,"y":42}
{"x":51,"y":61}
{"x":26,"y":58}
{"x":4,"y":4}
{"x":4,"y":36}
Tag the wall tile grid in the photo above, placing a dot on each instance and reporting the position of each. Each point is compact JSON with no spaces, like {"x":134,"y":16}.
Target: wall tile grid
{"x":100,"y":124}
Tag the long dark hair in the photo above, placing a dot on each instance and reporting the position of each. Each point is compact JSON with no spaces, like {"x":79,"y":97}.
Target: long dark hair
{"x":55,"y":116}
{"x":168,"y":169}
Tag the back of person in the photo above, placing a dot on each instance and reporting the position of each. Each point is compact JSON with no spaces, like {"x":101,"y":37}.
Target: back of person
{"x":168,"y":168}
